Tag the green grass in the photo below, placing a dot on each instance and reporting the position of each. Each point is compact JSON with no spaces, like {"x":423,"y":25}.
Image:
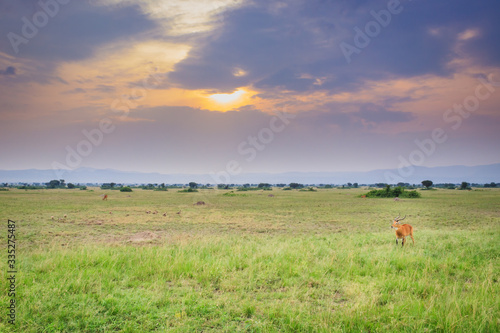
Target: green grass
{"x":297,"y":262}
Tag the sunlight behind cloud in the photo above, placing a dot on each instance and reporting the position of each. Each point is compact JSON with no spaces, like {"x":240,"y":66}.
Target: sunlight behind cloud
{"x":180,"y":17}
{"x":227,"y":98}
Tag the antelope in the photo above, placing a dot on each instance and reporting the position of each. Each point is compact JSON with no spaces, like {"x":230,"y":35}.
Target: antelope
{"x":105,"y":197}
{"x":402,"y":230}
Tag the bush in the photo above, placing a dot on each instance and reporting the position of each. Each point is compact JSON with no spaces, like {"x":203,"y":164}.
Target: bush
{"x":29,"y":187}
{"x":232,"y":194}
{"x":83,"y":188}
{"x":249,"y":189}
{"x":412,"y":194}
{"x":309,"y":189}
{"x":188,"y":190}
{"x":392,"y":193}
{"x":125,"y":189}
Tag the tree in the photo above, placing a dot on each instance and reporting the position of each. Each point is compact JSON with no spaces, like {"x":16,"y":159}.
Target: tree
{"x":71,"y":185}
{"x":464,"y":186}
{"x":397,"y":191}
{"x":263,"y":185}
{"x":53,"y":184}
{"x":296,"y":185}
{"x":427,"y":183}
{"x":112,"y":185}
{"x":355,"y":185}
{"x":193,"y":185}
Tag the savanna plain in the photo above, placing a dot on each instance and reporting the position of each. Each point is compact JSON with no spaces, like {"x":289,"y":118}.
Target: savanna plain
{"x":300,"y":261}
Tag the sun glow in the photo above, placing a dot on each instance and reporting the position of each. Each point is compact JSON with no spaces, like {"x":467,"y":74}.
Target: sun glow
{"x":227,"y":98}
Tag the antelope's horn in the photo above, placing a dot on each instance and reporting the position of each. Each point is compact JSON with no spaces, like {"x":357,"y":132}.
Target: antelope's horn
{"x":402,"y":218}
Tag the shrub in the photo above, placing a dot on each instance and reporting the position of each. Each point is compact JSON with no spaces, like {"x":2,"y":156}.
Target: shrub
{"x":188,"y":190}
{"x":232,"y":194}
{"x":125,"y":189}
{"x":29,"y":187}
{"x":412,"y":194}
{"x":309,"y":189}
{"x":248,"y":189}
{"x":392,"y":193}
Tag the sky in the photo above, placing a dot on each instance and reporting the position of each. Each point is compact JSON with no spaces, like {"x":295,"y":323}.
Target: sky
{"x":241,"y":86}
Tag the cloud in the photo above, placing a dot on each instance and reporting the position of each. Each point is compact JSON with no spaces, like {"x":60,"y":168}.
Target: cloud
{"x":105,"y":88}
{"x":8,"y":71}
{"x":377,"y":114}
{"x":295,"y":46}
{"x":75,"y":31}
{"x":75,"y":91}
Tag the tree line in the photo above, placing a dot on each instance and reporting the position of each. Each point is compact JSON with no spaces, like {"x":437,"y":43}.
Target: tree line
{"x":193,"y":186}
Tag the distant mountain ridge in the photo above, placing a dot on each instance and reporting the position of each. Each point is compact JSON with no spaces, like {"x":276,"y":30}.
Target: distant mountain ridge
{"x":448,"y":174}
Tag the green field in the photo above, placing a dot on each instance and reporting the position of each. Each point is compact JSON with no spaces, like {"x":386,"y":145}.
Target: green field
{"x":322,"y":261}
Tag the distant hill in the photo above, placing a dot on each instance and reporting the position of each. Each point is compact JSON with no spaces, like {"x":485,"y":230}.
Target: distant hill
{"x":449,"y":174}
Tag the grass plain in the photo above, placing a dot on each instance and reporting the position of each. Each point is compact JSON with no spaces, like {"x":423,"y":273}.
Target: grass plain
{"x":322,"y":261}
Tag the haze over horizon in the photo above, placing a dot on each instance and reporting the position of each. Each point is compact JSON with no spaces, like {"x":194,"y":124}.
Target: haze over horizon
{"x":244,"y":86}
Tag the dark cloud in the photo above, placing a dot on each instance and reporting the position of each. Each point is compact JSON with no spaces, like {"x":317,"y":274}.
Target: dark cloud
{"x":73,"y":33}
{"x":8,"y":71}
{"x":352,"y":116}
{"x":294,"y":45}
{"x":377,"y":114}
{"x":75,"y":91}
{"x":105,"y":88}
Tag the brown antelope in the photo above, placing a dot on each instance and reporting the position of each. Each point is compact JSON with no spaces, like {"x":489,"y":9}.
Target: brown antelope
{"x":402,"y":230}
{"x":105,"y":197}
